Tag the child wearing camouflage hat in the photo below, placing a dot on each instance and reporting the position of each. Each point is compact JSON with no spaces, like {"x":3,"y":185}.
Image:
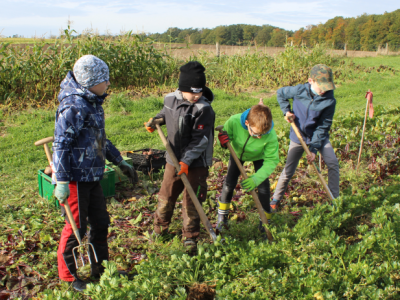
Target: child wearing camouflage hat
{"x":79,"y":151}
{"x":312,"y":110}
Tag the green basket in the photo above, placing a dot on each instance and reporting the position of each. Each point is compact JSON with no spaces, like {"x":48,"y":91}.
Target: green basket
{"x":46,"y":189}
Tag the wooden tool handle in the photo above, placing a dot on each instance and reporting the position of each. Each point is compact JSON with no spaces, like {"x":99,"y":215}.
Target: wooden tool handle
{"x":44,"y":141}
{"x":188,"y":186}
{"x":299,"y":136}
{"x":66,"y":204}
{"x":260,"y":209}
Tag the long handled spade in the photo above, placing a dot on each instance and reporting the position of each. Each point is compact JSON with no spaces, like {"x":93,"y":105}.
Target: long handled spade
{"x":253,"y":192}
{"x":296,"y":130}
{"x":86,"y":246}
{"x":186,"y":182}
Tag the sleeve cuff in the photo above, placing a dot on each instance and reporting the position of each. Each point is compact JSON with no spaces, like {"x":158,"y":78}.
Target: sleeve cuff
{"x":313,"y":150}
{"x":186,"y":162}
{"x":117,"y":160}
{"x":62,"y":178}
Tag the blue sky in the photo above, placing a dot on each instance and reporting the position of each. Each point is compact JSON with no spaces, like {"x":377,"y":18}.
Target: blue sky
{"x":40,"y":17}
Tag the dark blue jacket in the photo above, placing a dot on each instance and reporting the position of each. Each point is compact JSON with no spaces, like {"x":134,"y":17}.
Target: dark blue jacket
{"x":80,"y":145}
{"x":314,"y":113}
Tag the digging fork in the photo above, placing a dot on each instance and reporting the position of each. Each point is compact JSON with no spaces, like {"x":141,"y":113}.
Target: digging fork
{"x":86,"y":246}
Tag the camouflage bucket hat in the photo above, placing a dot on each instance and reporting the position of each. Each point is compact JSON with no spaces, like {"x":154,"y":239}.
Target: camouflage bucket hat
{"x":322,"y":74}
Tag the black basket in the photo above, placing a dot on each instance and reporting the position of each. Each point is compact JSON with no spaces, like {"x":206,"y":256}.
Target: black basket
{"x":148,"y":162}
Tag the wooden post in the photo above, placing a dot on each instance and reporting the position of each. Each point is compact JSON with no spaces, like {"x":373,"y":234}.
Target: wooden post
{"x":363,"y":132}
{"x":217,"y":49}
{"x":387,"y":49}
{"x":345,"y":50}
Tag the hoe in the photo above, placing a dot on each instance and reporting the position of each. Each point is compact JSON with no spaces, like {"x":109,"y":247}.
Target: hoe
{"x":186,"y":182}
{"x":253,"y":192}
{"x":85,"y":246}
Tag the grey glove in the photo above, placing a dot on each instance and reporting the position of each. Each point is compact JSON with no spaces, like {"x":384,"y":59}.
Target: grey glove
{"x":129,"y":171}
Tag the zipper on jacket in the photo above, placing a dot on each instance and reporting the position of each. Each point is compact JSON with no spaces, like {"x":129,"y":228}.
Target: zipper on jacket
{"x":308,"y":109}
{"x":241,"y":156}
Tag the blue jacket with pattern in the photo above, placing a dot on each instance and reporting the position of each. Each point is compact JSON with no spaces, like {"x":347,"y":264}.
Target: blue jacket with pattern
{"x":314,"y":113}
{"x":80,"y":145}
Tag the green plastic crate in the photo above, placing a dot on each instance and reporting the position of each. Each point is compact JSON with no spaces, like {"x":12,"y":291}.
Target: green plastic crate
{"x":119,"y":176}
{"x":108,"y":182}
{"x":46,"y":189}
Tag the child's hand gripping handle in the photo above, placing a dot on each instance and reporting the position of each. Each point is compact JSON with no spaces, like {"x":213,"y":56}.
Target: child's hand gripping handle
{"x":253,"y":192}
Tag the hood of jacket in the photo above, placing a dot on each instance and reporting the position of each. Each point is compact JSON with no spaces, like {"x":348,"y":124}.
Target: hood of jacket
{"x":243,"y":119}
{"x":69,"y":86}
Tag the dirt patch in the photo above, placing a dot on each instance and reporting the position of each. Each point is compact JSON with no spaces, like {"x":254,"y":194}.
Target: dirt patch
{"x":201,"y":291}
{"x":3,"y":259}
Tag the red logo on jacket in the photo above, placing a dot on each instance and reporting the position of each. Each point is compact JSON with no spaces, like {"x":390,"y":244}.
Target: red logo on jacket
{"x":200,"y":127}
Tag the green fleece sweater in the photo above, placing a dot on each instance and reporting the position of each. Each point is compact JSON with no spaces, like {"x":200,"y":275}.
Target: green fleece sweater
{"x":248,"y":148}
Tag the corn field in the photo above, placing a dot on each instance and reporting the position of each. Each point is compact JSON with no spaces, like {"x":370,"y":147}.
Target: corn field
{"x":30,"y":75}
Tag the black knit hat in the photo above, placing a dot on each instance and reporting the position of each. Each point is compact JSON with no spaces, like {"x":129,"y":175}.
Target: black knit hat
{"x":192,"y":78}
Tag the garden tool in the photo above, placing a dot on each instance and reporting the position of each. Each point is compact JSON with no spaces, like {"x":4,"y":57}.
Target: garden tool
{"x":369,"y":97}
{"x":260,"y":209}
{"x":186,"y":182}
{"x":308,"y":152}
{"x":86,"y":246}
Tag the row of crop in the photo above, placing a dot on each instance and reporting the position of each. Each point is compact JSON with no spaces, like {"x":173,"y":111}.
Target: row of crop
{"x":32,"y":74}
{"x":314,"y":259}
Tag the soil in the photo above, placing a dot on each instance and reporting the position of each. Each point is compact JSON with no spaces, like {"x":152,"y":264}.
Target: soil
{"x":201,"y":292}
{"x":3,"y":259}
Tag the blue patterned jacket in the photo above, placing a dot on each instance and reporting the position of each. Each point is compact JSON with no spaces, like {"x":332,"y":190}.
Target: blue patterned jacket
{"x":80,"y":145}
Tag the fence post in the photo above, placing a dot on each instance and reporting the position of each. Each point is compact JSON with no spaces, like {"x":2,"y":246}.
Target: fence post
{"x":345,"y":50}
{"x":217,"y":49}
{"x":387,"y":49}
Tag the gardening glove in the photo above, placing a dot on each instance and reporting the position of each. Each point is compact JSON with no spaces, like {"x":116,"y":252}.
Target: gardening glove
{"x":129,"y":171}
{"x":150,"y":125}
{"x":249,"y":184}
{"x":62,"y":191}
{"x":184,"y":169}
{"x":223,"y":139}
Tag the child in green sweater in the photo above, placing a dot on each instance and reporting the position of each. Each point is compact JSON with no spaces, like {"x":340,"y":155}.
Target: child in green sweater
{"x":253,"y":138}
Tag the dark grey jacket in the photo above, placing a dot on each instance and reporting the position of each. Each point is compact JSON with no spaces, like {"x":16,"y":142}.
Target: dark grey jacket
{"x":190,"y":128}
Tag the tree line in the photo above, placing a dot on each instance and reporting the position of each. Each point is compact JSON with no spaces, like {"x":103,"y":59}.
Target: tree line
{"x":365,"y":32}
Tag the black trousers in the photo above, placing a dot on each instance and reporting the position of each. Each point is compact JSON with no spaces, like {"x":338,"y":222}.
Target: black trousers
{"x":232,"y":179}
{"x":87,"y":204}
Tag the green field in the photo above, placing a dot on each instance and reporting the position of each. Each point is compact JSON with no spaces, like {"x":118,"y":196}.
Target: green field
{"x":347,"y":251}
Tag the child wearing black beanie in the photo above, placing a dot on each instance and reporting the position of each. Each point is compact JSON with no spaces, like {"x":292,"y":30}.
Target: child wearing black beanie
{"x":190,"y":119}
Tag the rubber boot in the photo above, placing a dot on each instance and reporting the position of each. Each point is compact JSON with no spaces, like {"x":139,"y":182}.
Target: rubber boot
{"x":78,"y":285}
{"x":222,"y":221}
{"x":190,"y":245}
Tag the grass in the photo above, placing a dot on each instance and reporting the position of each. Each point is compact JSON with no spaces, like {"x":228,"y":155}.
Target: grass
{"x":20,"y":159}
{"x":246,"y":263}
